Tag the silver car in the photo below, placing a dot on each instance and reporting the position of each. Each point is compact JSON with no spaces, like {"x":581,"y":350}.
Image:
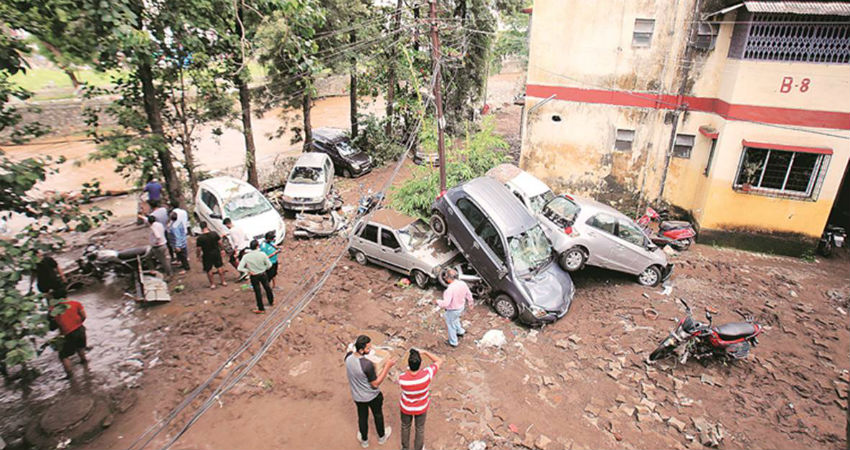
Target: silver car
{"x":309,"y":183}
{"x":584,"y":231}
{"x":402,"y":244}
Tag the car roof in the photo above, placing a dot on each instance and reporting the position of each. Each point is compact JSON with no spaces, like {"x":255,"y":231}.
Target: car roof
{"x":391,"y":219}
{"x":506,"y":210}
{"x":311,"y":159}
{"x":329,"y":134}
{"x":590,"y":206}
{"x":520,"y":179}
{"x":227,"y":185}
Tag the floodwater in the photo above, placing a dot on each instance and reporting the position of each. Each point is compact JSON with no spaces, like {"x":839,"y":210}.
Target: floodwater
{"x":116,"y":358}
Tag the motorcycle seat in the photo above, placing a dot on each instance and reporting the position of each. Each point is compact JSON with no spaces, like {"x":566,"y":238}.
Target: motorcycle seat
{"x":735,"y":330}
{"x":674,"y":225}
{"x":131,"y":253}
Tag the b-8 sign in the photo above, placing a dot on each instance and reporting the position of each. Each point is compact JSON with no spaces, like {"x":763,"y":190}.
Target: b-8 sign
{"x":788,"y":84}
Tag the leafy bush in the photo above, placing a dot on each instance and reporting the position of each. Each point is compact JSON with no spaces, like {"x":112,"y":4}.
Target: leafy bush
{"x":372,"y":139}
{"x":467,"y":158}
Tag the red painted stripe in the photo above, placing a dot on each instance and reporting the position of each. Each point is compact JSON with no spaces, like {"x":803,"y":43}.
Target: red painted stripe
{"x":765,"y":114}
{"x":790,"y":148}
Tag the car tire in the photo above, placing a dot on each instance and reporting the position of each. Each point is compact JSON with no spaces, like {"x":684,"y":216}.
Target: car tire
{"x":438,"y":224}
{"x":683,"y":244}
{"x":347,"y":173}
{"x":573,"y":259}
{"x":420,"y":278}
{"x":505,"y":306}
{"x":650,"y":277}
{"x":360,"y":257}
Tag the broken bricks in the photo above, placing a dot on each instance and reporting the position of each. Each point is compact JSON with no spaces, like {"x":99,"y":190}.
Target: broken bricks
{"x":709,"y":435}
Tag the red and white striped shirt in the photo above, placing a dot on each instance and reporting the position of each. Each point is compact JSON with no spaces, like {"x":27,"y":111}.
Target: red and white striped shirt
{"x":415,"y":390}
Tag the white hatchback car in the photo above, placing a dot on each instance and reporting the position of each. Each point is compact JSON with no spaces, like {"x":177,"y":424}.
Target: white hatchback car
{"x":309,"y":183}
{"x":222,"y":197}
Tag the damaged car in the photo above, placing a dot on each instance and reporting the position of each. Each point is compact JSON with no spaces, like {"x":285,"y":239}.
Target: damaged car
{"x":402,"y":244}
{"x":309,"y":183}
{"x":507,"y":247}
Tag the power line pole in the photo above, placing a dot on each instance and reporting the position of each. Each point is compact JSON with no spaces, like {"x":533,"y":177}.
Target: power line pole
{"x":438,"y":98}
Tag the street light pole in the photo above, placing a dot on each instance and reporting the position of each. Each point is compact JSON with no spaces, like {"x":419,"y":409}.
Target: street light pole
{"x":438,"y":99}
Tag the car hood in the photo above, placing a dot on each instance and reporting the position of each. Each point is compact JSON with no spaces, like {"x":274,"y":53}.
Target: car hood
{"x":551,"y":289}
{"x":304,"y":190}
{"x":360,"y":158}
{"x":261,"y":224}
{"x":436,"y":252}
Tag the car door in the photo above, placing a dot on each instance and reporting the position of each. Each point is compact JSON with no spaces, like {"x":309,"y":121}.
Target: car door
{"x":632,"y":252}
{"x":367,"y":242}
{"x":330,"y":150}
{"x":602,"y":231}
{"x":329,"y":175}
{"x":210,"y":211}
{"x":391,"y":250}
{"x":476,"y":251}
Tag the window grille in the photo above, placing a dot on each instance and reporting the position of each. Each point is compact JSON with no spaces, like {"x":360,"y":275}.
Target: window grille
{"x":683,"y":145}
{"x":624,"y":140}
{"x":791,"y":37}
{"x":642,"y":36}
{"x":795,"y":173}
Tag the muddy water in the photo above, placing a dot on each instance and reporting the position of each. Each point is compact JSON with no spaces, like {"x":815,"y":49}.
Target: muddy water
{"x":116,"y":359}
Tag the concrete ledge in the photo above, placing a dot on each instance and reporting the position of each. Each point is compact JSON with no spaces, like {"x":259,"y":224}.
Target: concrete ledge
{"x":780,"y":243}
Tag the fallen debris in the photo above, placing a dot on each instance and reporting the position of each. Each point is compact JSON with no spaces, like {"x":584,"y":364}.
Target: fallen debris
{"x":493,"y":338}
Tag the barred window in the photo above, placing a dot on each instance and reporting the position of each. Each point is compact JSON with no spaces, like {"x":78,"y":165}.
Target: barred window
{"x":642,"y":35}
{"x":805,"y":38}
{"x":683,"y":145}
{"x":624,"y":139}
{"x":781,"y":171}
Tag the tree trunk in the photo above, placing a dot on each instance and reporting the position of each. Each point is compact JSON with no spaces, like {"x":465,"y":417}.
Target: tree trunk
{"x":57,"y":58}
{"x":306,"y":104}
{"x":352,"y":87}
{"x":154,"y":114}
{"x":186,"y":138}
{"x":391,"y":81}
{"x":248,"y":132}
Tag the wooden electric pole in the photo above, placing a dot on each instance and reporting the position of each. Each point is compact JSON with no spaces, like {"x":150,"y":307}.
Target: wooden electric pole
{"x":438,"y":98}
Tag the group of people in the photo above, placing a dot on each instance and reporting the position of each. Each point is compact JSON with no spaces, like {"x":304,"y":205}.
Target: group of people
{"x":169,"y":230}
{"x":414,"y":383}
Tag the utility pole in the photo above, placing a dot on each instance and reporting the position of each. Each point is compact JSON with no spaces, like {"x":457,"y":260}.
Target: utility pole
{"x":438,"y":98}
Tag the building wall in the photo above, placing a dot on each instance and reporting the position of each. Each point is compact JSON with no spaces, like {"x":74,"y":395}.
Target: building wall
{"x":601,"y":83}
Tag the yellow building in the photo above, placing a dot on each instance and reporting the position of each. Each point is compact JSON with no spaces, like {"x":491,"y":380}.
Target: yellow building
{"x":738,"y":113}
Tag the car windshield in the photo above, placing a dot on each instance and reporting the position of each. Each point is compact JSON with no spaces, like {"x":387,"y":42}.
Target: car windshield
{"x":306,"y":175}
{"x":562,"y":211}
{"x":415,"y":234}
{"x":246,"y":205}
{"x":536,"y":203}
{"x":530,"y":250}
{"x":345,"y":149}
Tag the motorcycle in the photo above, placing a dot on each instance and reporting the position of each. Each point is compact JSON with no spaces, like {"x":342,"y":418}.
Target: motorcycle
{"x":730,"y":341}
{"x":97,"y":261}
{"x":831,"y":238}
{"x":368,"y":202}
{"x":677,"y":233}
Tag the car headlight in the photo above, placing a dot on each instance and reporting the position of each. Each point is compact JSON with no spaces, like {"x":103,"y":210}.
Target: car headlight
{"x":537,"y":311}
{"x":288,"y":199}
{"x":355,"y":166}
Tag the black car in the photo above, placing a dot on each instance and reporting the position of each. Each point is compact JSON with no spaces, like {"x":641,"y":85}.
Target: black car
{"x":348,"y":161}
{"x":508,"y":249}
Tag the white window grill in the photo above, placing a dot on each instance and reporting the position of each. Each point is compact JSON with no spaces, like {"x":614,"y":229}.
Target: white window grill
{"x":804,"y":38}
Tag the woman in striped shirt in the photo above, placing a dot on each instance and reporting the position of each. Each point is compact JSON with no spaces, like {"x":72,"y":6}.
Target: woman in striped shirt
{"x":415,"y":396}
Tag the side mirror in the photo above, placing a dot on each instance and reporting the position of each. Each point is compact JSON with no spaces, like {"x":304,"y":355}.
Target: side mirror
{"x":215,"y":216}
{"x":397,"y":250}
{"x":708,"y":316}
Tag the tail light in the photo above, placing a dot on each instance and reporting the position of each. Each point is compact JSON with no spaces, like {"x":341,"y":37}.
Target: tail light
{"x":441,"y":194}
{"x":568,"y":197}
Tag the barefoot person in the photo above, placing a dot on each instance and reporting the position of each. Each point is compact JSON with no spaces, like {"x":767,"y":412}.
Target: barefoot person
{"x":415,"y":398}
{"x":364,"y":383}
{"x":208,"y":249}
{"x":255,"y":263}
{"x":70,"y":324}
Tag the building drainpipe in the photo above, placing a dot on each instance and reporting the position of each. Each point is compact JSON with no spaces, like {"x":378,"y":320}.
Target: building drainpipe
{"x":680,"y":105}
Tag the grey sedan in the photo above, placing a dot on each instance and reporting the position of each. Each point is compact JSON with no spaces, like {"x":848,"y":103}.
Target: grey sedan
{"x":584,"y":231}
{"x":402,"y":244}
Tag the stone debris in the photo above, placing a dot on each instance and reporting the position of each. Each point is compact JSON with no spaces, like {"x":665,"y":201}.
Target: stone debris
{"x":709,"y":435}
{"x":574,"y":339}
{"x":562,"y":344}
{"x":477,"y":445}
{"x":677,"y":424}
{"x":493,"y":338}
{"x":542,"y":443}
{"x":707,"y":379}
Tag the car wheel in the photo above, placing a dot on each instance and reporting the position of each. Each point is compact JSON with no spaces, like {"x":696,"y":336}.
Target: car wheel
{"x":347,"y":173}
{"x":650,"y":277}
{"x":573,"y":259}
{"x":438,"y":224}
{"x":505,"y":306}
{"x":683,"y":244}
{"x":420,"y":278}
{"x":360,"y":257}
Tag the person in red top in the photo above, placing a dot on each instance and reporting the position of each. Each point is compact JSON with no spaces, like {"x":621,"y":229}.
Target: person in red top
{"x":415,"y":396}
{"x":70,"y":324}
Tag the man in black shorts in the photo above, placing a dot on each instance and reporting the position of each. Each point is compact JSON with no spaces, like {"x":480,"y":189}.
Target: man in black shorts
{"x":208,"y":248}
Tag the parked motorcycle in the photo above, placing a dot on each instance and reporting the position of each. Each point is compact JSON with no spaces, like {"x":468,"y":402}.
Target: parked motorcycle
{"x":729,"y":341}
{"x":368,"y":202}
{"x":831,"y":238}
{"x":97,"y":261}
{"x":677,"y":233}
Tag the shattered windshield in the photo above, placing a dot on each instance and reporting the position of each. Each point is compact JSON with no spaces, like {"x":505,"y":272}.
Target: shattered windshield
{"x":415,"y":234}
{"x":345,"y":149}
{"x":536,"y":203}
{"x":306,"y":175}
{"x":246,"y":205}
{"x":530,"y":250}
{"x":562,"y":211}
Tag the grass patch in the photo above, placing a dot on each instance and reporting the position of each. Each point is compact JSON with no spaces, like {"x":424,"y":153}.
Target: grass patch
{"x":44,"y":79}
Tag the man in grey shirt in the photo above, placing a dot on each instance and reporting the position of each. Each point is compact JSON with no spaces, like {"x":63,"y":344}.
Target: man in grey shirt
{"x":364,"y":390}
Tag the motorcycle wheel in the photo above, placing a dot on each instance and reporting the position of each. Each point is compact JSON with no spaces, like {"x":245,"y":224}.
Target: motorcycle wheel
{"x":826,"y":248}
{"x":683,"y":244}
{"x":665,"y":349}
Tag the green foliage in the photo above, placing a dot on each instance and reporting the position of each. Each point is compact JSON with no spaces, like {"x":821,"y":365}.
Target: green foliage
{"x":372,"y":139}
{"x":468,"y":158}
{"x":512,"y":41}
{"x":808,"y":255}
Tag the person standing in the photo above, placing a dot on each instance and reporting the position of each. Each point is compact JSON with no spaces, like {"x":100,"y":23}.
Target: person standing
{"x":208,"y":250}
{"x":255,"y":263}
{"x":364,"y":390}
{"x":415,"y":397}
{"x":154,"y":190}
{"x":48,"y":276}
{"x":70,"y":324}
{"x":179,"y":241}
{"x":182,"y":216}
{"x":158,"y":244}
{"x":238,"y":241}
{"x":271,"y":251}
{"x":454,"y":299}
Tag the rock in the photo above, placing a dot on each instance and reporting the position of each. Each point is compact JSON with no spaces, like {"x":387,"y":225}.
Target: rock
{"x":677,"y":424}
{"x":477,"y":445}
{"x":493,"y":338}
{"x":620,"y":399}
{"x":709,"y":435}
{"x":574,"y":339}
{"x":562,"y":343}
{"x":641,"y":413}
{"x":528,"y":441}
{"x":678,"y":384}
{"x":548,"y":381}
{"x":593,"y":410}
{"x":542,"y":442}
{"x":647,"y":403}
{"x":107,"y":421}
{"x":792,"y":294}
{"x":685,"y":401}
{"x":707,"y":379}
